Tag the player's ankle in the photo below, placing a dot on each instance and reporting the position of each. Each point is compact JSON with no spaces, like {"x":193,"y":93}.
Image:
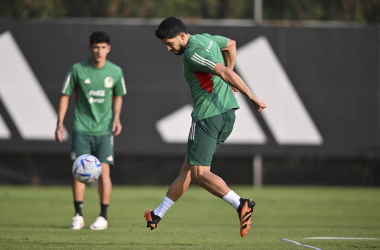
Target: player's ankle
{"x":165,"y":205}
{"x":232,"y":198}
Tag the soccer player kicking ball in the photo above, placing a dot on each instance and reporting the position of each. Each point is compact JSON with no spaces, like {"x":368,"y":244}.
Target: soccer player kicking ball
{"x":99,"y":86}
{"x":208,"y":63}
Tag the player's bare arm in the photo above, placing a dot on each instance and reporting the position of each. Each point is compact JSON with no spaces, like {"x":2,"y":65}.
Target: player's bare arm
{"x":116,"y":126}
{"x":62,"y":109}
{"x":235,"y":81}
{"x":229,"y":56}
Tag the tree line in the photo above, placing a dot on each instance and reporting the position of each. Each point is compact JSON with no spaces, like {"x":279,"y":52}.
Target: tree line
{"x":365,"y":11}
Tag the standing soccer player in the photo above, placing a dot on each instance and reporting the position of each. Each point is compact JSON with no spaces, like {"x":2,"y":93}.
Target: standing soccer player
{"x":208,"y":63}
{"x":99,"y":87}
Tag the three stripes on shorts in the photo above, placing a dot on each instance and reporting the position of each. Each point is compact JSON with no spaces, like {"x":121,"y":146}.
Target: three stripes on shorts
{"x":192,"y":131}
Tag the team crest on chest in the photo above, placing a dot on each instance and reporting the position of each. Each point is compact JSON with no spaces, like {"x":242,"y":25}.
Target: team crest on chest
{"x":108,"y":82}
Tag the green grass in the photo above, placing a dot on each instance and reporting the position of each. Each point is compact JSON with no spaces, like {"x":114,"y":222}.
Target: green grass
{"x":39,"y":217}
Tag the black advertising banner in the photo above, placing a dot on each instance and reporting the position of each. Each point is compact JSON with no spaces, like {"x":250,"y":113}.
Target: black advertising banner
{"x":321,"y":86}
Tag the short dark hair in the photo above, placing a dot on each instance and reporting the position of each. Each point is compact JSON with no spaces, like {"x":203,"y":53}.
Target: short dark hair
{"x":99,"y":37}
{"x":170,"y":28}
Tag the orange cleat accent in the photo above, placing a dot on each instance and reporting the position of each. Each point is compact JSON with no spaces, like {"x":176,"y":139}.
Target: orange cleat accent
{"x":245,"y":216}
{"x":152,"y":223}
{"x":147,"y":215}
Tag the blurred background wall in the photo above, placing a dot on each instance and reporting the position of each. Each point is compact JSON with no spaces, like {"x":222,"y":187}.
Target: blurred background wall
{"x":316,"y":64}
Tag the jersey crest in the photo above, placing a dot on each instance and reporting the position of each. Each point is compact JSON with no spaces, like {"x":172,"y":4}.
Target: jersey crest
{"x":108,"y":82}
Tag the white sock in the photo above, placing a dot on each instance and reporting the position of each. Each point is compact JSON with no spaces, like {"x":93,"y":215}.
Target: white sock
{"x":233,"y":199}
{"x":165,"y":205}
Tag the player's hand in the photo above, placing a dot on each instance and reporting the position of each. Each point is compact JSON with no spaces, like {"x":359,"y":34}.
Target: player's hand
{"x":59,"y":133}
{"x":259,"y":105}
{"x":116,"y":127}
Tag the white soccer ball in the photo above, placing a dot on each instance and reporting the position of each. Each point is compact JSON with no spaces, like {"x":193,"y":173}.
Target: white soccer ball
{"x":87,"y":169}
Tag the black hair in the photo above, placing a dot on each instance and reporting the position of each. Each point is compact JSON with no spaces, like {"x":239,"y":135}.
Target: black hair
{"x":170,"y":28}
{"x":99,"y":37}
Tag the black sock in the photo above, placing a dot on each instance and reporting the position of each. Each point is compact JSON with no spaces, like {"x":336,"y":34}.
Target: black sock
{"x":103,"y":210}
{"x":78,"y":207}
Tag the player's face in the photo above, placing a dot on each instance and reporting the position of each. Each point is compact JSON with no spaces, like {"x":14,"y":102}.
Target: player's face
{"x":175,"y":45}
{"x":99,"y":51}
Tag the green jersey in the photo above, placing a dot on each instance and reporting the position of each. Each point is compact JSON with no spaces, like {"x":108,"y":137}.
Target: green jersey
{"x":212,"y":96}
{"x":94,"y":89}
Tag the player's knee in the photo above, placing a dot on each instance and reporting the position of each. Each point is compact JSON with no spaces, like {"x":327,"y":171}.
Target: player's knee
{"x":105,"y":175}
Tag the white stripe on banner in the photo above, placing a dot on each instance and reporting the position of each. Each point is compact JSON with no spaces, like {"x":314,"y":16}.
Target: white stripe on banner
{"x":286,"y":115}
{"x":174,"y":128}
{"x":246,"y":128}
{"x":22,"y":95}
{"x":4,"y":131}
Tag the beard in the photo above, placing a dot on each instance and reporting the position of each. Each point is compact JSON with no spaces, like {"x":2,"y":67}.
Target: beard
{"x":180,"y":51}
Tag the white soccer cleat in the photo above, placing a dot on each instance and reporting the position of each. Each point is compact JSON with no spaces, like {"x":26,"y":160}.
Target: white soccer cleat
{"x":78,"y":222}
{"x":99,"y":224}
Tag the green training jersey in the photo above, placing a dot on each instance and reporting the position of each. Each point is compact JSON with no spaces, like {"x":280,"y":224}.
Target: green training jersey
{"x":212,"y":96}
{"x":94,"y":89}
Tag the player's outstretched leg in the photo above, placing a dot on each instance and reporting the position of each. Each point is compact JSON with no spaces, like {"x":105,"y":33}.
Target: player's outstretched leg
{"x":245,"y":209}
{"x":152,"y":219}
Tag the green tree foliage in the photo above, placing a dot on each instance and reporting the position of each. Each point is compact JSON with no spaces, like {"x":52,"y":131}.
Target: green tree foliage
{"x":340,"y":10}
{"x":31,"y":8}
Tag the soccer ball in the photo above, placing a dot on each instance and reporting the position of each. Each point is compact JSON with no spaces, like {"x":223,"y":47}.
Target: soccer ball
{"x":86,"y":169}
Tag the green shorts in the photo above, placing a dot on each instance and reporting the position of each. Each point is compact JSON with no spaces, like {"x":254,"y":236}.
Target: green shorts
{"x":207,"y":135}
{"x":100,"y":146}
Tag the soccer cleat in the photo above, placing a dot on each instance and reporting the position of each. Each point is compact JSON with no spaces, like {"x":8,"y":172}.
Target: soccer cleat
{"x":152,"y":219}
{"x":99,"y":224}
{"x":78,"y":222}
{"x":245,"y":210}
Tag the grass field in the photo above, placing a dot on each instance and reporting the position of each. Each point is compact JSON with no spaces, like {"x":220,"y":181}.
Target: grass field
{"x":39,"y":218}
